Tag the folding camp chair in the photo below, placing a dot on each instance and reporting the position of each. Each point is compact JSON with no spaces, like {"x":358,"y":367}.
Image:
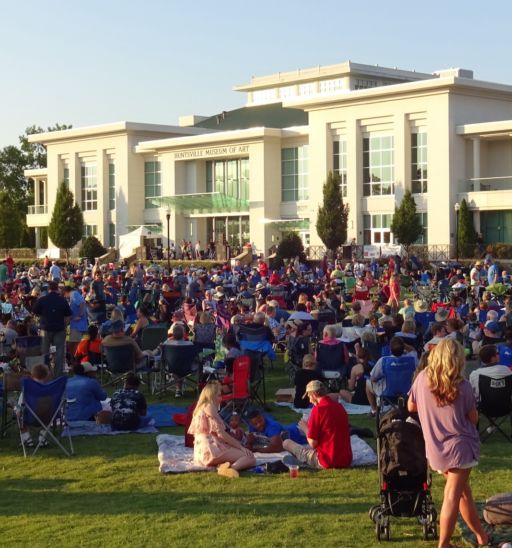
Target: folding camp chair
{"x":179,"y":364}
{"x":331,"y":364}
{"x":152,"y":336}
{"x":238,"y":399}
{"x":495,"y":404}
{"x":9,"y":389}
{"x":44,"y":406}
{"x":118,"y":362}
{"x":257,"y":378}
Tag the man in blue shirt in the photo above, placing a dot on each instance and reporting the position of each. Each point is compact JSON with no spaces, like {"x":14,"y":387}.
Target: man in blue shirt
{"x":54,"y":315}
{"x":84,"y":393}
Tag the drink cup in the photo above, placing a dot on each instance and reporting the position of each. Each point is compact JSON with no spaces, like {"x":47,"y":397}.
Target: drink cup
{"x":294,"y":471}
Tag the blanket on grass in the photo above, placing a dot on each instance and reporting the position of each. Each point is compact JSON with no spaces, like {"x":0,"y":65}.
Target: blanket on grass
{"x":90,"y":428}
{"x":500,"y":533}
{"x":163,"y":412}
{"x":175,"y":458}
{"x":350,"y":408}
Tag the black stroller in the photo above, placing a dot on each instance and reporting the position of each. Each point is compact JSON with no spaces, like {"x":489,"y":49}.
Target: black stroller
{"x":403,"y":474}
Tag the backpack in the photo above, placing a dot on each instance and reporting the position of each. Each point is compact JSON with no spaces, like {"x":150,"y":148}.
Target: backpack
{"x":402,"y":447}
{"x":498,"y":509}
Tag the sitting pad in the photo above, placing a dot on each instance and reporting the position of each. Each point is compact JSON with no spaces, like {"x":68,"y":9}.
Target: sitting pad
{"x":163,"y":412}
{"x":90,"y":428}
{"x":175,"y":458}
{"x":500,"y":533}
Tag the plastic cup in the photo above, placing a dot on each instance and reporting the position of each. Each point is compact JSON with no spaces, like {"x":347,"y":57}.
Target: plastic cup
{"x":294,"y":471}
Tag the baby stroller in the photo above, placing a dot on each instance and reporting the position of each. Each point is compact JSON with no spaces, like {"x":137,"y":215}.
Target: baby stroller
{"x":403,"y":474}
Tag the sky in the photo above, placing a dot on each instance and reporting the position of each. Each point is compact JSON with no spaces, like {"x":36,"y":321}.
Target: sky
{"x":101,"y":61}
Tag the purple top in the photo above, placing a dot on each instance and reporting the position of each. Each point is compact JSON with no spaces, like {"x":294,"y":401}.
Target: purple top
{"x":451,"y":440}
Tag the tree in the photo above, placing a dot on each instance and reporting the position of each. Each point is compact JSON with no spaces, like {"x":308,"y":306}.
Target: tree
{"x":466,"y":231}
{"x":92,"y":248}
{"x":11,"y":226}
{"x":67,"y":224}
{"x":331,"y":223}
{"x":291,"y":246}
{"x":406,"y":224}
{"x":35,"y":153}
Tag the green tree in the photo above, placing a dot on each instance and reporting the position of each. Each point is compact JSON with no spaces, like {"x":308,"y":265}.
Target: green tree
{"x":11,"y":226}
{"x":291,"y":246}
{"x":67,"y":224}
{"x":406,"y":225}
{"x":331,"y":223}
{"x":91,"y":248}
{"x":35,"y":153}
{"x":466,"y":231}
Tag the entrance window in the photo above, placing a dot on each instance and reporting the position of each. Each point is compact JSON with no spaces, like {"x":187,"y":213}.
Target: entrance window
{"x":423,"y":239}
{"x":377,"y":229}
{"x":89,"y":187}
{"x":294,"y":174}
{"x":152,"y":183}
{"x":233,"y":230}
{"x":230,"y":177}
{"x":419,"y":162}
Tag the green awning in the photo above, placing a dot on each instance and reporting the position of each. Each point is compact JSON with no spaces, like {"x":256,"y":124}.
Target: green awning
{"x":289,"y":224}
{"x":206,"y":202}
{"x":156,"y":228}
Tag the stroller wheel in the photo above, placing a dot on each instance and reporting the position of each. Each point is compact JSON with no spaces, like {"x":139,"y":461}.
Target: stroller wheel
{"x":373,"y":512}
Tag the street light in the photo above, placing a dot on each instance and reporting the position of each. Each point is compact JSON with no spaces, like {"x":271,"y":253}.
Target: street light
{"x":457,"y":208}
{"x":168,"y":217}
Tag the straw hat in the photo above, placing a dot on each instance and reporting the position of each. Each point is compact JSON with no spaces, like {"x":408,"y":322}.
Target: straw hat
{"x":421,"y":306}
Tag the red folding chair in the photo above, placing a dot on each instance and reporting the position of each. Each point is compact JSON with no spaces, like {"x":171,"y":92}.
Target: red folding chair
{"x":239,"y":397}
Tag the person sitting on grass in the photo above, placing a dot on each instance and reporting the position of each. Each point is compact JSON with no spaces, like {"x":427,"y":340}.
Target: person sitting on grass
{"x":41,"y":374}
{"x":84,"y":393}
{"x":213,"y":446}
{"x":129,"y":406}
{"x":266,"y":434}
{"x":327,"y":431}
{"x":302,"y":378}
{"x":356,"y":392}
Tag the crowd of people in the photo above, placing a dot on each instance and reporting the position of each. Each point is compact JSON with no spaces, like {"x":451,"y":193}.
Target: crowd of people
{"x":349,"y":317}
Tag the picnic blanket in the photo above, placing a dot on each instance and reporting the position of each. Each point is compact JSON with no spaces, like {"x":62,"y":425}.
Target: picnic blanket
{"x":90,"y":428}
{"x":163,"y":412}
{"x":500,"y":533}
{"x":175,"y":458}
{"x":350,"y":408}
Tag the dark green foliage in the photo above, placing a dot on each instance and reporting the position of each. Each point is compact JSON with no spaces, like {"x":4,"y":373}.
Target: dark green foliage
{"x":67,"y":224}
{"x":92,"y":248}
{"x":290,"y":247}
{"x":331,"y":223}
{"x":406,"y":225}
{"x":11,"y":226}
{"x":467,"y":232}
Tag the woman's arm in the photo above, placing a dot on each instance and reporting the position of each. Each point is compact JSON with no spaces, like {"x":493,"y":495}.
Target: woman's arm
{"x":473,"y":416}
{"x":412,"y":407}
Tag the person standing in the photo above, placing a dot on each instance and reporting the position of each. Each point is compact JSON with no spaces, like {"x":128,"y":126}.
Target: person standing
{"x":78,"y":322}
{"x":54,"y":315}
{"x":198,"y":250}
{"x":447,"y":411}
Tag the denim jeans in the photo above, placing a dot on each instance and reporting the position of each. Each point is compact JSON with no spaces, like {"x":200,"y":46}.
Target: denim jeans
{"x":57,"y":339}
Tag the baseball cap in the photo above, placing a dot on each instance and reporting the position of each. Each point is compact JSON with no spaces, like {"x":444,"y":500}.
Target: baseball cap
{"x":313,"y":386}
{"x":492,"y":326}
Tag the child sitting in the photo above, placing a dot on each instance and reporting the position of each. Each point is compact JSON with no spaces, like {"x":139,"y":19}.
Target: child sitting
{"x":129,"y":406}
{"x":235,"y":429}
{"x":41,"y":374}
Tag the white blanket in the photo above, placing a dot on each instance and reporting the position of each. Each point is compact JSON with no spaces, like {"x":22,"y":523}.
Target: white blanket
{"x":175,"y":458}
{"x":350,"y":408}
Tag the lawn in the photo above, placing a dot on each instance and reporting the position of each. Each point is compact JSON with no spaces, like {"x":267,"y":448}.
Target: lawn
{"x":112,"y":494}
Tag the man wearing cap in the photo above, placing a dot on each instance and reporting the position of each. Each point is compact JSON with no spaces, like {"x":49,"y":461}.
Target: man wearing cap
{"x":118,"y":338}
{"x":84,"y":393}
{"x":327,"y":432}
{"x":54,"y":315}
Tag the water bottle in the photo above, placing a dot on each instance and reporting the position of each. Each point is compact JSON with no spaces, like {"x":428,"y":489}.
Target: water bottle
{"x":259,"y":469}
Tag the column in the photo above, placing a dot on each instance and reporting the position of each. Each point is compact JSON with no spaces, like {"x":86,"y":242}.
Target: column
{"x":476,"y":163}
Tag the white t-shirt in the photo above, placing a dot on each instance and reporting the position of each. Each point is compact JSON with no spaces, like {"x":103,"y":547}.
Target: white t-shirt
{"x":494,"y":371}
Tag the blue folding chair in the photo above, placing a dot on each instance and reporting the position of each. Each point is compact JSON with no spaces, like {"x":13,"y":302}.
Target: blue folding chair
{"x":44,"y":406}
{"x":398,"y":372}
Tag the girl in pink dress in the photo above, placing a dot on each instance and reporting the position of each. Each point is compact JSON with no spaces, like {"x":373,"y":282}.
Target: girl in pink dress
{"x":447,"y":410}
{"x":213,"y":446}
{"x":394,"y":291}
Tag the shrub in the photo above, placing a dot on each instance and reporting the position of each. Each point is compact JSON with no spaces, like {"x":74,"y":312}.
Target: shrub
{"x":91,"y":248}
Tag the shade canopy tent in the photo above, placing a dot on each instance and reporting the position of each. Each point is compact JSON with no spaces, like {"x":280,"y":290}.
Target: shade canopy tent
{"x":128,"y":243}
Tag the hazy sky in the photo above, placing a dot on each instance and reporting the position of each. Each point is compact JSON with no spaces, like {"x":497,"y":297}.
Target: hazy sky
{"x":100,"y":61}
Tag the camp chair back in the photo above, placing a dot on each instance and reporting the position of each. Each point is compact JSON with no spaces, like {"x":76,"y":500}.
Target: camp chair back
{"x":495,"y":404}
{"x":374,"y":349}
{"x":11,"y":384}
{"x":119,"y":361}
{"x":398,"y":372}
{"x":152,"y":336}
{"x":28,"y":346}
{"x":240,"y":394}
{"x":424,"y":319}
{"x":505,"y":354}
{"x":41,"y":405}
{"x":179,"y":363}
{"x":257,"y":377}
{"x":331,"y":364}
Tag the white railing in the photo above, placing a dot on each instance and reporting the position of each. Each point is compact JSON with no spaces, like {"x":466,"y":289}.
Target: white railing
{"x":486,"y":184}
{"x":37,"y":209}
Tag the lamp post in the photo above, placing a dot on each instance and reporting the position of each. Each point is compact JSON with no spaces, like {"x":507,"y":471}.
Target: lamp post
{"x":168,"y":217}
{"x":457,"y":208}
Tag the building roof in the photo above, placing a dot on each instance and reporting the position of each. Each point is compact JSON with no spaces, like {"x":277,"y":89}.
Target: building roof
{"x":113,"y":128}
{"x":271,"y":116}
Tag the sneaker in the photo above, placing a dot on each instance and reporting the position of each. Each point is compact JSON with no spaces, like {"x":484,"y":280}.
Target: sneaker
{"x":290,"y":460}
{"x":490,"y":429}
{"x":27,"y":440}
{"x":226,"y":471}
{"x":42,"y":441}
{"x":178,"y":394}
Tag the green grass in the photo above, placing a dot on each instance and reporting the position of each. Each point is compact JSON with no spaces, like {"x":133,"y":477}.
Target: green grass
{"x":112,"y":494}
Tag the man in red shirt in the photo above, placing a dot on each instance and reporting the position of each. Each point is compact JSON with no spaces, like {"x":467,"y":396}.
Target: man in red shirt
{"x":327,"y":431}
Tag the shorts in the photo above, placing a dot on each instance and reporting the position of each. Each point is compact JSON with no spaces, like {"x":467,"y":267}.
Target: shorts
{"x":75,"y":336}
{"x":471,"y":464}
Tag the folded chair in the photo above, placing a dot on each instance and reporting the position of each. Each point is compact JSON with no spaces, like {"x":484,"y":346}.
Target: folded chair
{"x":44,"y":406}
{"x":495,"y":404}
{"x":179,"y":364}
{"x":240,"y":395}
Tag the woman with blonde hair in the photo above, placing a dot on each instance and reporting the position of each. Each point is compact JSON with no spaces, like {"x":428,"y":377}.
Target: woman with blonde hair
{"x":213,"y":446}
{"x":447,"y":410}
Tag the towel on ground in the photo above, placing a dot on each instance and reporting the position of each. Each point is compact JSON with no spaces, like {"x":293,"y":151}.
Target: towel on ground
{"x":90,"y":428}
